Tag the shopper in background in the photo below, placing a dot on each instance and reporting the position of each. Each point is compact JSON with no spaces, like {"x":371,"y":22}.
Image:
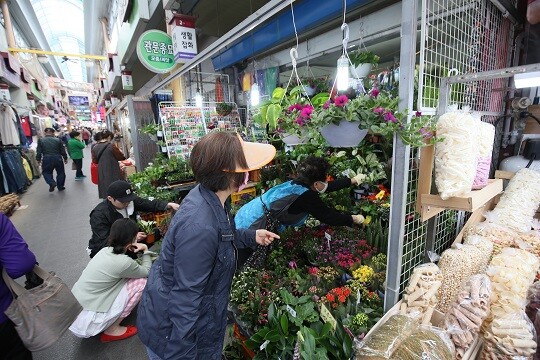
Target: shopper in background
{"x":106,"y":154}
{"x":75,"y":150}
{"x":121,"y":202}
{"x":17,"y":260}
{"x":86,"y":136}
{"x":111,"y":285}
{"x":50,"y":152}
{"x":183,"y":311}
{"x":290,"y":203}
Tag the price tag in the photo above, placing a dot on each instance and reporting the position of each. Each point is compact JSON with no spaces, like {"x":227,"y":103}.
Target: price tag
{"x":299,"y":337}
{"x":328,"y":239}
{"x":346,"y":173}
{"x":291,"y":311}
{"x":327,"y":317}
{"x":358,"y":297}
{"x":264,"y":345}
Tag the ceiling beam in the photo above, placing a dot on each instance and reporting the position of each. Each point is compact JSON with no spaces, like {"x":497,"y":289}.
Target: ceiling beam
{"x":25,"y":17}
{"x":54,"y":53}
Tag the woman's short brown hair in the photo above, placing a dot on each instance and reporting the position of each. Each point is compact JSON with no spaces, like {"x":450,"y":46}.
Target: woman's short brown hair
{"x":214,"y":158}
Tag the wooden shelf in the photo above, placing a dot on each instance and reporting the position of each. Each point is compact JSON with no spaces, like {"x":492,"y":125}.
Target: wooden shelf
{"x":433,"y":204}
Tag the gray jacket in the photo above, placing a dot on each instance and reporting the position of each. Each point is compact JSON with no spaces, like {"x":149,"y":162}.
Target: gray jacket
{"x":183,"y":310}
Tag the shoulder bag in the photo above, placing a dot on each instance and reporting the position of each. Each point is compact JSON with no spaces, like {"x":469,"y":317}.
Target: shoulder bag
{"x":42,"y":314}
{"x":94,"y":174}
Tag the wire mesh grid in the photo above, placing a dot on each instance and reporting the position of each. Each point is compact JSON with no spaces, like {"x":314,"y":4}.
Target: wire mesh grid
{"x":414,"y":240}
{"x":212,"y":87}
{"x":457,"y":37}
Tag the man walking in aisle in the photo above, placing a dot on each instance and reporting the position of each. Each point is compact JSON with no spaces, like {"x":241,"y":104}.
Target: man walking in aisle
{"x":52,"y":151}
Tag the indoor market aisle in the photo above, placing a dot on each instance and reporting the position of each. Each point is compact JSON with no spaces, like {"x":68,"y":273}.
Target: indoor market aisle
{"x":56,"y":227}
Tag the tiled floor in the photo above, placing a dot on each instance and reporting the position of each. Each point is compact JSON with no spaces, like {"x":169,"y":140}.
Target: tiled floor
{"x":56,"y":227}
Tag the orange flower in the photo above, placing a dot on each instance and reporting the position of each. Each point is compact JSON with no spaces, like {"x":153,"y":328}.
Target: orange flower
{"x":342,"y":298}
{"x":334,"y":305}
{"x":330,"y":297}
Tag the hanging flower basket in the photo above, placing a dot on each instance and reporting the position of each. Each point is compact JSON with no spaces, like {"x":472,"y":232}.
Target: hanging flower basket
{"x":345,"y":134}
{"x":308,"y":90}
{"x":291,"y":139}
{"x":362,"y":70}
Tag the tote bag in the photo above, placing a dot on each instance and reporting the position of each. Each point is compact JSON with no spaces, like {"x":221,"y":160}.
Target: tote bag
{"x":42,"y":314}
{"x":94,"y":167}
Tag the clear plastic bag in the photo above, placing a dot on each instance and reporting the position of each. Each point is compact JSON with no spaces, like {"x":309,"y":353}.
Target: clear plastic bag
{"x":426,"y":343}
{"x":420,"y":296}
{"x":532,"y":312}
{"x":512,"y":336}
{"x":383,"y":341}
{"x":468,"y":312}
{"x":485,"y":148}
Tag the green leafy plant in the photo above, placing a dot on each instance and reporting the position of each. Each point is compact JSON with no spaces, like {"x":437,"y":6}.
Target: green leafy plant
{"x":224,"y":109}
{"x":150,"y":129}
{"x":146,"y":226}
{"x":363,"y":57}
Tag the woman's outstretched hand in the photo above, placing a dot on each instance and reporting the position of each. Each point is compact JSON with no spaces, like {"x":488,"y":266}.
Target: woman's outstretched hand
{"x":265,"y":237}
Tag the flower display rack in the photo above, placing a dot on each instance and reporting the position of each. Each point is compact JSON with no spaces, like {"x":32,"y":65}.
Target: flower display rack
{"x":429,"y":205}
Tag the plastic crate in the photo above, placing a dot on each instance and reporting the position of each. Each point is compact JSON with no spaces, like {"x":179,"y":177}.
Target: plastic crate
{"x":237,"y":196}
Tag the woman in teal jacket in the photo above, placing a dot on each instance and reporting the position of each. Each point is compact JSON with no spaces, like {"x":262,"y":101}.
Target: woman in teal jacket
{"x":75,"y":148}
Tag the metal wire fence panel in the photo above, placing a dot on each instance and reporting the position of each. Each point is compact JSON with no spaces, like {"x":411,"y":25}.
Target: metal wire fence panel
{"x":414,"y":241}
{"x":446,"y":225}
{"x":457,"y":37}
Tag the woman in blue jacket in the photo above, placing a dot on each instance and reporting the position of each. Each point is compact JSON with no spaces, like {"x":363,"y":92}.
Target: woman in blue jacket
{"x":183,"y":311}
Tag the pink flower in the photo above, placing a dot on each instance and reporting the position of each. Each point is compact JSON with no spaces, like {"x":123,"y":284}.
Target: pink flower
{"x":426,"y":134}
{"x":374,"y":92}
{"x":300,"y":121}
{"x":378,"y":110}
{"x":341,"y":100}
{"x":295,"y":107}
{"x":306,"y":111}
{"x":389,"y":117}
{"x":313,"y":270}
{"x":418,"y":114}
{"x":292,"y":264}
{"x":326,"y":105}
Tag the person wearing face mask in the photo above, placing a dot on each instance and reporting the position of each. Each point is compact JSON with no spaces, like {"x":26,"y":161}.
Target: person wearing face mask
{"x":290,"y":203}
{"x":121,"y":202}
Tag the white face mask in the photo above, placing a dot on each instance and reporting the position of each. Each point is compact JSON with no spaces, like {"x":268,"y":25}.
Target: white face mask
{"x":243,"y":185}
{"x":323,"y":189}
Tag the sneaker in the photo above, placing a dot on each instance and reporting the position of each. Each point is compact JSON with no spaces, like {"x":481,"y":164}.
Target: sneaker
{"x":51,"y":187}
{"x":78,"y":178}
{"x":61,"y":188}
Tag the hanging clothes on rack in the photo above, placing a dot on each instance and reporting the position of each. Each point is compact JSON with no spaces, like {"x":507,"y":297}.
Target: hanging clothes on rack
{"x":9,"y":133}
{"x":22,"y":136}
{"x":271,"y":78}
{"x":30,"y":155}
{"x":13,"y":174}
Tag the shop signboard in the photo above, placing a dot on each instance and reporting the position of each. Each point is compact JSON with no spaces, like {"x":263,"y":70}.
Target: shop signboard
{"x":78,"y":100}
{"x":184,"y":43}
{"x":4,"y":92}
{"x":155,"y":51}
{"x":127,"y":80}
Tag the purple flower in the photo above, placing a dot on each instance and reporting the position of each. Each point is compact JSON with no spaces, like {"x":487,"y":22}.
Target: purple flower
{"x":326,"y":105}
{"x":341,"y":100}
{"x":389,"y":117}
{"x":378,"y":110}
{"x":426,"y":134}
{"x":306,"y":111}
{"x":418,"y":114}
{"x":374,"y":92}
{"x":300,"y":121}
{"x":295,"y":107}
{"x":292,"y":264}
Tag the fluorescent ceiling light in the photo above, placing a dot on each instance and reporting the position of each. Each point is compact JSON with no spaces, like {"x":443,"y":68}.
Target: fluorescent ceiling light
{"x":527,"y":80}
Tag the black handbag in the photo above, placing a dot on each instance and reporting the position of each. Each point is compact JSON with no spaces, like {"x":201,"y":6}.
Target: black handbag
{"x":259,"y":256}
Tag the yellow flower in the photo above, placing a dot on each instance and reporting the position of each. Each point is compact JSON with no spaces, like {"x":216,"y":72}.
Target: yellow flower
{"x":380,"y":195}
{"x":367,"y":220}
{"x":364,"y":273}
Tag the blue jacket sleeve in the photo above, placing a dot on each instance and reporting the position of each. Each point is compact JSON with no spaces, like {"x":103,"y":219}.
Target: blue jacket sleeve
{"x":245,"y":238}
{"x":195,"y":255}
{"x":15,"y":256}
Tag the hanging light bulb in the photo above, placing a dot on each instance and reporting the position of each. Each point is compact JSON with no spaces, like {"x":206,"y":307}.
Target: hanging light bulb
{"x":342,"y":77}
{"x":198,"y":99}
{"x":255,"y":98}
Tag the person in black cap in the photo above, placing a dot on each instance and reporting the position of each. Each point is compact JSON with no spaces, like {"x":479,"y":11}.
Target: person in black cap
{"x":50,"y":152}
{"x":121,"y":202}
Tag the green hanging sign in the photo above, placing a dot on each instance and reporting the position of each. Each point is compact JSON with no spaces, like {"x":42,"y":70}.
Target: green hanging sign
{"x":155,"y":51}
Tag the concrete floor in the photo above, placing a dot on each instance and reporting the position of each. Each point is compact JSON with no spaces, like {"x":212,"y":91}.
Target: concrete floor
{"x":56,"y":227}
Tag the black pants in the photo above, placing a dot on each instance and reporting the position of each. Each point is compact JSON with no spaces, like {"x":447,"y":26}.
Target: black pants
{"x":51,"y":163}
{"x":78,"y":164}
{"x":13,"y":348}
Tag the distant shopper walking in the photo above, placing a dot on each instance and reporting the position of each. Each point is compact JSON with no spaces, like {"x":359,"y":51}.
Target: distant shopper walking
{"x":86,"y":136}
{"x":50,"y":152}
{"x":75,"y":150}
{"x":106,"y":155}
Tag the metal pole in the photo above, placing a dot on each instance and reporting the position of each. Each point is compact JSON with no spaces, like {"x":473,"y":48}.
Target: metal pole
{"x":134,"y":132}
{"x":401,"y":154}
{"x":7,"y":22}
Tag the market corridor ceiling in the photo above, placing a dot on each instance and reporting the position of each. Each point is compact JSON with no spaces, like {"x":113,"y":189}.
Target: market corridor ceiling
{"x":62,"y":22}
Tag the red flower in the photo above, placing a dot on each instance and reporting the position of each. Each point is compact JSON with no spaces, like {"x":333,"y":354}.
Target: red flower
{"x":330,"y":297}
{"x":341,"y":100}
{"x":342,"y":298}
{"x":313,"y":270}
{"x":374,"y":92}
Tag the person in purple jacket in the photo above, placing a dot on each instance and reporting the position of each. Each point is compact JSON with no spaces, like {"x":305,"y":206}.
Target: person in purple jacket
{"x":18,"y":260}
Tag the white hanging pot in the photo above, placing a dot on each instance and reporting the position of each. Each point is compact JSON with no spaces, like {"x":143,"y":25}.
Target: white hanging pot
{"x":362,"y":70}
{"x":345,"y":134}
{"x":164,"y":149}
{"x":153,"y":137}
{"x":291,"y":140}
{"x":308,"y":90}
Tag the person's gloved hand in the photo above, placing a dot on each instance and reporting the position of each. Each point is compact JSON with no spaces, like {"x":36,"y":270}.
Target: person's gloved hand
{"x":358,"y":179}
{"x":358,"y":219}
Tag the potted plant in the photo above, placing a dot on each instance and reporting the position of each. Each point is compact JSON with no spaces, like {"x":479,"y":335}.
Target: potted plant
{"x":315,"y":85}
{"x":162,"y":145}
{"x":363,"y":61}
{"x":339,"y":122}
{"x":224,"y":109}
{"x":151,"y":130}
{"x":148,"y":228}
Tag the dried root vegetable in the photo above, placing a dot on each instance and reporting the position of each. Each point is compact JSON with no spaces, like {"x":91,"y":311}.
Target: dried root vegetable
{"x":383,"y":341}
{"x":484,"y":245}
{"x":485,"y":149}
{"x":467,"y":313}
{"x":454,"y":173}
{"x":426,"y":343}
{"x":512,"y":336}
{"x":457,"y":264}
{"x":420,"y":297}
{"x":532,"y":311}
{"x":519,"y":203}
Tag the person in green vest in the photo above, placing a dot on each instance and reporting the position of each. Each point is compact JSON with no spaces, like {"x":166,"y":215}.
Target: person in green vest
{"x":75,"y":148}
